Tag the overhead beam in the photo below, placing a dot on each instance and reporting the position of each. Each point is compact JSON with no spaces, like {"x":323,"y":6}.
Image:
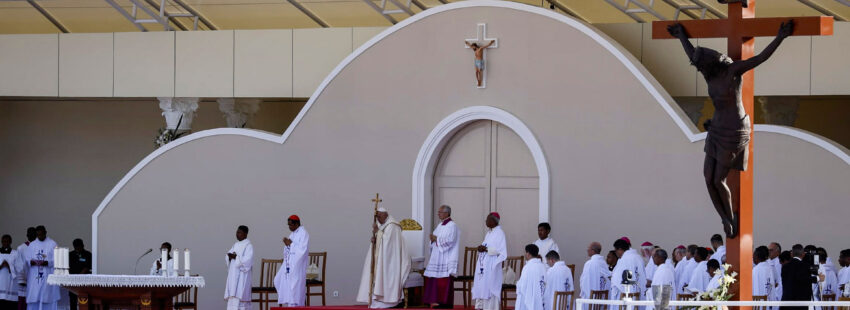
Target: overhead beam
{"x":380,"y":11}
{"x":206,"y":21}
{"x":824,"y":10}
{"x":567,"y":10}
{"x":49,"y":16}
{"x":126,"y":15}
{"x":307,"y":12}
{"x":626,"y":11}
{"x":172,"y":19}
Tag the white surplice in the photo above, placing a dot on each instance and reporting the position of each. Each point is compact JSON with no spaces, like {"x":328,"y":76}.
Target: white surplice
{"x":763,"y":281}
{"x":719,"y":255}
{"x":559,"y":278}
{"x":830,"y":283}
{"x":238,"y":285}
{"x":290,"y":282}
{"x":23,"y":269}
{"x":392,"y":266}
{"x":650,"y":269}
{"x":546,"y":245}
{"x":699,"y":278}
{"x":444,"y":251}
{"x":776,"y":294}
{"x":632,"y":261}
{"x":39,"y":293}
{"x":679,"y":271}
{"x":595,"y":276}
{"x":715,"y":282}
{"x":844,"y":276}
{"x":664,"y":275}
{"x":9,"y":275}
{"x":487,"y":283}
{"x":531,"y":286}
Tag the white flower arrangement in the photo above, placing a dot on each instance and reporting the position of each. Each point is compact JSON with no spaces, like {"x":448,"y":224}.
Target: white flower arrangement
{"x":721,"y":293}
{"x":165,"y":135}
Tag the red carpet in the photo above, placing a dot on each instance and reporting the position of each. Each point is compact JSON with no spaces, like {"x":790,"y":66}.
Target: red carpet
{"x":357,"y":307}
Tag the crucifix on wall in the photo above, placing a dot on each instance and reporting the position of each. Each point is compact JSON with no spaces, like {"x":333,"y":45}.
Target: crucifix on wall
{"x":478,"y":46}
{"x":729,"y":141}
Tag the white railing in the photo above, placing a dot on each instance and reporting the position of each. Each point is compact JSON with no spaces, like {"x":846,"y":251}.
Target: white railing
{"x":630,"y":304}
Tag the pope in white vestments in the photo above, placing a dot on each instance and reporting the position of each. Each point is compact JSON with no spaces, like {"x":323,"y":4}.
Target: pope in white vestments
{"x":239,"y":260}
{"x":545,"y":243}
{"x":559,"y":278}
{"x":531,"y":286}
{"x":630,"y":260}
{"x":595,"y":274}
{"x":664,"y":275}
{"x":392,"y":265}
{"x":487,"y":283}
{"x":40,"y":295}
{"x":290,"y":282}
{"x":442,"y":265}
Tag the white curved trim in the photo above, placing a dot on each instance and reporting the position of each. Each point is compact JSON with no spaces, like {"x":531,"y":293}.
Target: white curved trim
{"x":429,"y":153}
{"x":651,"y":85}
{"x":836,"y":149}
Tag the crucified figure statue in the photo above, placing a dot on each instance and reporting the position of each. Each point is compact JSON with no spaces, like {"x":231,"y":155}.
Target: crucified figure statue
{"x":729,"y":128}
{"x":479,"y":59}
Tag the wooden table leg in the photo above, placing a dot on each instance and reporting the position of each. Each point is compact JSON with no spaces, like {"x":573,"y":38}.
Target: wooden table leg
{"x":168,"y":304}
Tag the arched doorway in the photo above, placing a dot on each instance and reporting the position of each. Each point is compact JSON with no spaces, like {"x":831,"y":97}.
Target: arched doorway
{"x":486,"y":167}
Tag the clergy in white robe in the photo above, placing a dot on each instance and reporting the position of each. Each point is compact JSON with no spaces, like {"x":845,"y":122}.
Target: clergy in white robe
{"x":719,"y":249}
{"x":290,"y":282}
{"x":157,"y":269}
{"x":844,"y":273}
{"x":9,"y":270}
{"x":647,"y":249}
{"x":442,"y":265}
{"x":40,"y":295}
{"x":699,"y":276}
{"x":774,"y":249}
{"x":763,"y":274}
{"x":240,"y":264}
{"x":629,"y":260}
{"x":664,"y":275}
{"x":22,"y":273}
{"x":487,"y":282}
{"x":559,"y":278}
{"x":715,"y":281}
{"x":829,"y":282}
{"x":595,"y":275}
{"x":545,"y":243}
{"x":531,"y":286}
{"x":680,"y":258}
{"x":392,"y":265}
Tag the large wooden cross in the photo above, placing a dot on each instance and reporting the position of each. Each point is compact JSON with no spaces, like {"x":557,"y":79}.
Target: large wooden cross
{"x":740,"y":29}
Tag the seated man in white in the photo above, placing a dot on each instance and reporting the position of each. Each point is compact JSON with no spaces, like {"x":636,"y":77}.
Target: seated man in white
{"x":663,"y":275}
{"x":559,"y":278}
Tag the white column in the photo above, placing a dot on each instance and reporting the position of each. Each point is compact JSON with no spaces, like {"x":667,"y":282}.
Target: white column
{"x":238,"y":112}
{"x":178,"y":110}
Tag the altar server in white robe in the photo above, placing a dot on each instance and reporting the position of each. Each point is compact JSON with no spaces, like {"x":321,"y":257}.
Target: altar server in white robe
{"x":290,"y":282}
{"x":690,"y":265}
{"x":240,"y":264}
{"x":629,"y":260}
{"x":22,"y":273}
{"x":663,"y":275}
{"x":392,"y":264}
{"x":545,"y":243}
{"x":595,"y":275}
{"x":699,"y":276}
{"x":9,"y":269}
{"x":763,"y":281}
{"x":844,"y":273}
{"x":719,"y":249}
{"x":828,"y":278}
{"x":487,"y":282}
{"x":157,"y":268}
{"x":531,"y":286}
{"x":40,"y":295}
{"x":442,"y":265}
{"x":774,"y":249}
{"x":717,"y":275}
{"x":559,"y":278}
{"x":679,"y":257}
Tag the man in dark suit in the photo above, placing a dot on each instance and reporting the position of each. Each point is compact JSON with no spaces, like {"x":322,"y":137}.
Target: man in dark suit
{"x":796,"y":278}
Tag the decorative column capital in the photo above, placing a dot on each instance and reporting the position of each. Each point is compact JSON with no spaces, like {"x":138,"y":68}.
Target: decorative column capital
{"x":237,"y":112}
{"x":178,"y":110}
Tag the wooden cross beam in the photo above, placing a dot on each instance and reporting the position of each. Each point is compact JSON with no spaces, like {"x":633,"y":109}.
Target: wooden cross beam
{"x":740,"y":29}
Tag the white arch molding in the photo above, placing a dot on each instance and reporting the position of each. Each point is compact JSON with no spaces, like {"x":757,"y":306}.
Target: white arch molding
{"x":429,"y":153}
{"x":626,"y":59}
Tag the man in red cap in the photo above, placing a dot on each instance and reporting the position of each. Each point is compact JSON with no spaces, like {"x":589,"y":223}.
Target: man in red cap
{"x":291,"y":279}
{"x":487,"y":284}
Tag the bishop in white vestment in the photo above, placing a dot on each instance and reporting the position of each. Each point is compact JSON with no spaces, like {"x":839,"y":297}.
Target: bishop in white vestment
{"x":663,"y":275}
{"x":392,"y":265}
{"x":545,"y":243}
{"x":531,"y":286}
{"x":239,"y":260}
{"x":595,"y":274}
{"x":559,"y":278}
{"x":487,"y":283}
{"x":290,"y":282}
{"x":629,"y":260}
{"x":39,"y":256}
{"x":442,"y":265}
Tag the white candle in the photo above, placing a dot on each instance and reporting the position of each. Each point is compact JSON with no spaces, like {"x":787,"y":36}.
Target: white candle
{"x":176,"y":257}
{"x":66,"y":259}
{"x":55,"y":255}
{"x":163,"y":260}
{"x":186,"y":260}
{"x":61,"y":260}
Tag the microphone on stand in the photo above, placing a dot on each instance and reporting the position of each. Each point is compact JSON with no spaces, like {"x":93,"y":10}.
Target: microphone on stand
{"x":139,"y":259}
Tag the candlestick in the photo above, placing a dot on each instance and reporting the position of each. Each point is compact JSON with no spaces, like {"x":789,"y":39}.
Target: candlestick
{"x":163,"y":261}
{"x":186,"y":263}
{"x":55,"y":255}
{"x":176,"y":257}
{"x":66,"y":259}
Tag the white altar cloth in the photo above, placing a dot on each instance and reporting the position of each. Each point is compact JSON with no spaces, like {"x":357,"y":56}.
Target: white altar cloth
{"x":101,"y":280}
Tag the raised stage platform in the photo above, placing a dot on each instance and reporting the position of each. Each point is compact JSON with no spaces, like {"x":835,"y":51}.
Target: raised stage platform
{"x":356,"y":307}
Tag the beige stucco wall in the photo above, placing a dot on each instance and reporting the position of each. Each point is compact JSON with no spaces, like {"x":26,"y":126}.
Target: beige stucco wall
{"x":618,"y":163}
